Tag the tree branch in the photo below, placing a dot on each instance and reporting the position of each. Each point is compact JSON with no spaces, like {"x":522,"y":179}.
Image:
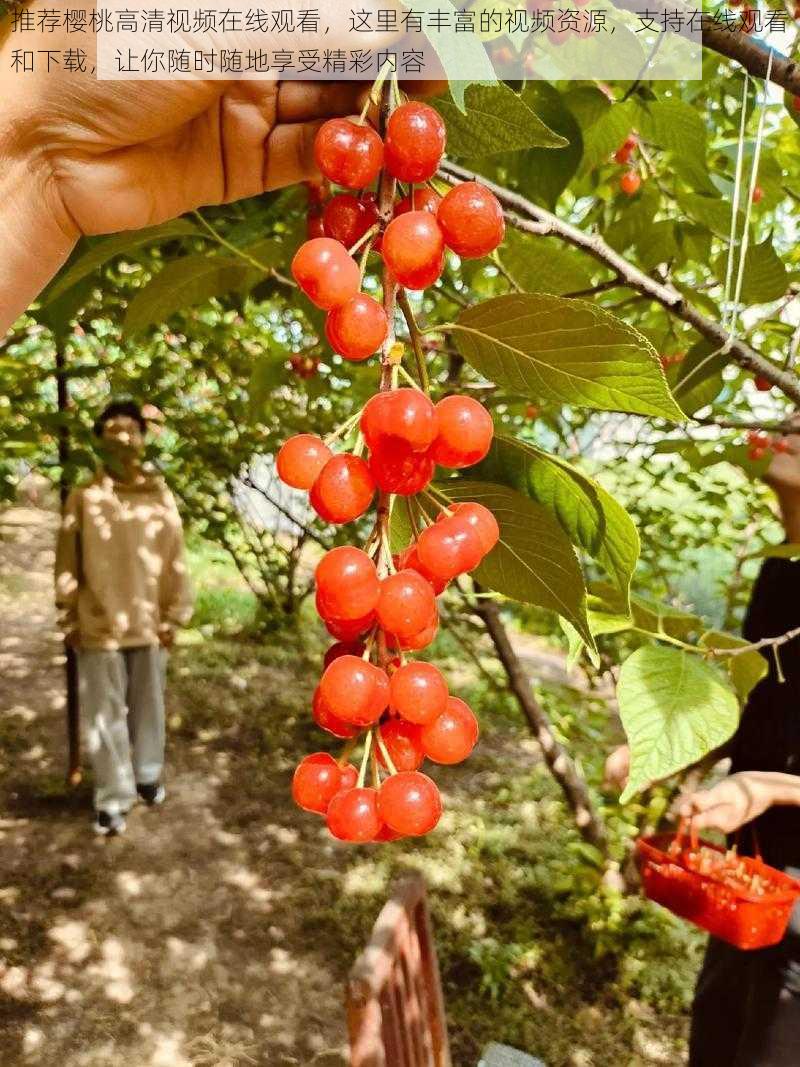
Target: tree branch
{"x":529,"y":217}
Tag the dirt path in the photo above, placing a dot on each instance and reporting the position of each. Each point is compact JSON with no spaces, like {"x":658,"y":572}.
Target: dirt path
{"x":165,"y":948}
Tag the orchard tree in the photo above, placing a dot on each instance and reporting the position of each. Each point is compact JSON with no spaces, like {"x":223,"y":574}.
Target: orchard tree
{"x":627,"y":329}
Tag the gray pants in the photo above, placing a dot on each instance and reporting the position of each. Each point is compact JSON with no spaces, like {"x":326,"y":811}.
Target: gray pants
{"x":122,"y":706}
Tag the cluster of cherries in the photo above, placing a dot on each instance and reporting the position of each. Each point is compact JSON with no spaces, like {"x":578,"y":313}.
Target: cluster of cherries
{"x":380,"y":607}
{"x":760,"y":444}
{"x":631,"y":180}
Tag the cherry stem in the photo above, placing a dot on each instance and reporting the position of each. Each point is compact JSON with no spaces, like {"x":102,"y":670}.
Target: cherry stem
{"x":345,"y":428}
{"x":412,"y":519}
{"x":364,"y":238}
{"x":416,"y":341}
{"x":385,"y":753}
{"x":376,"y":777}
{"x":362,"y":774}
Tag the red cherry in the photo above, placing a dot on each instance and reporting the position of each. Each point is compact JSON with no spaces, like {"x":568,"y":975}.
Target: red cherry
{"x":629,"y":183}
{"x":418,"y":693}
{"x":357,"y":328}
{"x":756,"y":453}
{"x":780,"y":444}
{"x":343,"y":490}
{"x":343,"y":648}
{"x":386,"y":833}
{"x":796,"y":103}
{"x":347,"y":218}
{"x":449,"y":548}
{"x":415,"y":139}
{"x":353,"y":690}
{"x":480,"y":519}
{"x":314,"y":225}
{"x":465,"y":432}
{"x":410,"y":558}
{"x":349,"y":778}
{"x":317,"y":191}
{"x":762,"y":384}
{"x":416,"y":642}
{"x":347,"y":153}
{"x":326,"y":273}
{"x":353,"y":815}
{"x":300,"y":460}
{"x":347,"y":629}
{"x":406,"y":604}
{"x":452,"y":736}
{"x":347,"y":582}
{"x":422,"y":199}
{"x":758,"y":194}
{"x":326,"y":720}
{"x":413,"y":249}
{"x":409,"y":803}
{"x":402,"y":741}
{"x":472,"y":220}
{"x":396,"y":469}
{"x":316,"y":781}
{"x":404,"y":413}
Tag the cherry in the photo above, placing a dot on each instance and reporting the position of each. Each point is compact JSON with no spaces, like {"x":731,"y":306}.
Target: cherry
{"x":386,"y":833}
{"x":347,"y":629}
{"x":357,"y":328}
{"x":354,"y":690}
{"x":317,"y":192}
{"x":796,"y":103}
{"x":300,"y":460}
{"x":398,"y":469}
{"x":758,"y":194}
{"x":416,"y":642}
{"x":349,"y":778}
{"x":415,"y":139}
{"x":410,"y":558}
{"x":347,"y":153}
{"x":402,"y":741}
{"x":780,"y":444}
{"x":629,"y":183}
{"x":347,"y":583}
{"x":406,"y":414}
{"x":314,"y":225}
{"x":316,"y":781}
{"x":452,"y":736}
{"x":326,"y":720}
{"x":409,"y":803}
{"x":465,"y":432}
{"x":343,"y":489}
{"x":422,"y":199}
{"x":449,"y":548}
{"x":480,"y":519}
{"x":343,"y":648}
{"x":418,"y":693}
{"x":406,"y":604}
{"x":413,"y":249}
{"x":762,"y":384}
{"x":353,"y":815}
{"x":471,"y":220}
{"x":347,"y":218}
{"x":326,"y":273}
{"x":756,"y":453}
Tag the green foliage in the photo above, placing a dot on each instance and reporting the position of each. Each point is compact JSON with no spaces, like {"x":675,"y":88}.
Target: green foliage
{"x":496,"y":120}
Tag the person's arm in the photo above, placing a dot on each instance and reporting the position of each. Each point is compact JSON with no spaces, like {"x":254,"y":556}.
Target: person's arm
{"x":739,"y":799}
{"x":177,"y":601}
{"x":68,"y":568}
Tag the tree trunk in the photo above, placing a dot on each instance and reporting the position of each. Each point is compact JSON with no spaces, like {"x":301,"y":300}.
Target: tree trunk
{"x":74,"y":774}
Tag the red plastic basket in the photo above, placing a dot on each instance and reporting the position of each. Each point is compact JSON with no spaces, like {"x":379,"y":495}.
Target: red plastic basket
{"x":748,"y":916}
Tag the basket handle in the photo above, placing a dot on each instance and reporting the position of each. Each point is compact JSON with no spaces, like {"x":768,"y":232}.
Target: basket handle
{"x":685,"y":829}
{"x":751,"y":826}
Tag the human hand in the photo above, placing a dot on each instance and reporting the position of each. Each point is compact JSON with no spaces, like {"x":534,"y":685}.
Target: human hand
{"x":737,"y":800}
{"x":617,"y":768}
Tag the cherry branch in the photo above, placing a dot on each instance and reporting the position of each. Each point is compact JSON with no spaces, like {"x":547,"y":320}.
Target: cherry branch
{"x":755,"y":646}
{"x":524,"y":215}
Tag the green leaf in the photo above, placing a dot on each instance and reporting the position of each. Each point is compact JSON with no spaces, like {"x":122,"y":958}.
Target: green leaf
{"x":714,"y":214}
{"x":564,"y":351}
{"x":778,"y":552}
{"x":533,"y":562}
{"x":745,"y":670}
{"x":540,"y":173}
{"x":680,"y":129}
{"x":765,"y":276}
{"x":191,"y":280}
{"x":589,"y":516}
{"x":604,"y":125}
{"x":675,"y":709}
{"x":544,"y":265}
{"x":105,"y":249}
{"x":699,"y":379}
{"x":456,"y":51}
{"x":496,"y":120}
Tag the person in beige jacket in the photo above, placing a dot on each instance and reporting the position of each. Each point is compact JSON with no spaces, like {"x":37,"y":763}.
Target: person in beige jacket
{"x":121,"y":589}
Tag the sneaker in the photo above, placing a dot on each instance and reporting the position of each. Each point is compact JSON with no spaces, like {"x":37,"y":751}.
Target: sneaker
{"x":108,"y":824}
{"x":152,"y":794}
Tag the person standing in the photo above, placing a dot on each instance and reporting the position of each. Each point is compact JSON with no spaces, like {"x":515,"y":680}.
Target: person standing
{"x":121,"y":590}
